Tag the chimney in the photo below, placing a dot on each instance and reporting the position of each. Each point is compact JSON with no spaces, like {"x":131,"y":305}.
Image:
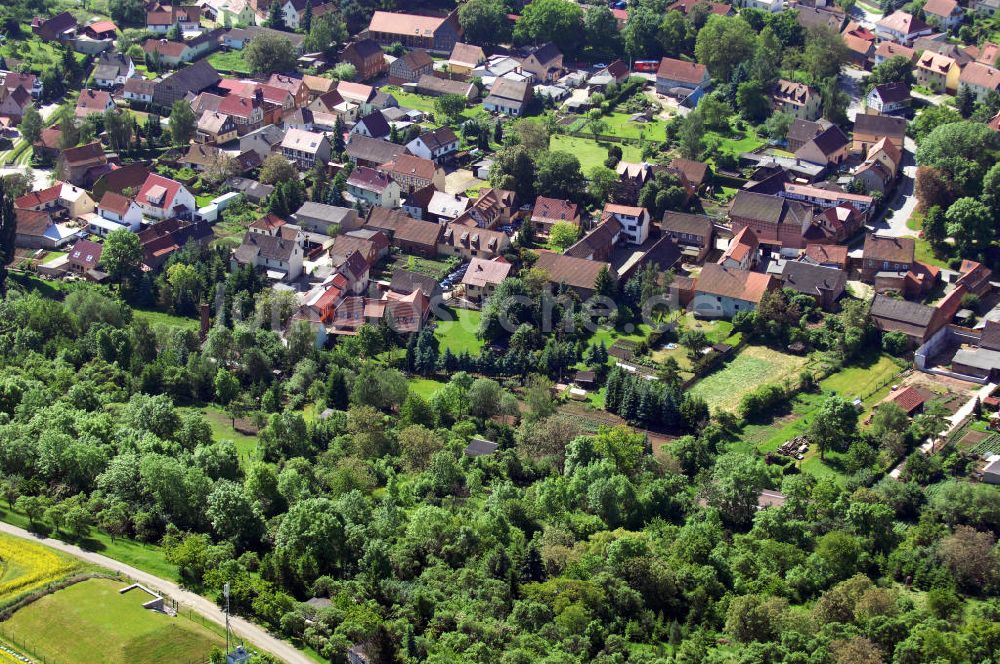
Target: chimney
{"x":205,"y":321}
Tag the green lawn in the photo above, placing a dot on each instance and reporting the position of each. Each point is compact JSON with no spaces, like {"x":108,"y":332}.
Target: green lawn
{"x":590,"y":152}
{"x":619,"y":124}
{"x":162,"y":318}
{"x":860,"y":381}
{"x":753,"y":367}
{"x":91,"y":622}
{"x":425,"y":387}
{"x":459,"y":334}
{"x":230,"y":61}
{"x":425,"y":103}
{"x":222,"y":429}
{"x":36,"y":53}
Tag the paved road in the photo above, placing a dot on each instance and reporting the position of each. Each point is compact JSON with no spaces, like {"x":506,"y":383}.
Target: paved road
{"x":185,"y":599}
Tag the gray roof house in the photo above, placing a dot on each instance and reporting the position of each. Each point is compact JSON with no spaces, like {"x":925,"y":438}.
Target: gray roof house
{"x":326,"y":219}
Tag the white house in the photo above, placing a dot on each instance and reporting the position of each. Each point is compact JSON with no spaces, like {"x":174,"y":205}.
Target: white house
{"x":634,"y":221}
{"x":772,"y":6}
{"x":113,"y":69}
{"x":373,"y":187}
{"x":121,"y":210}
{"x":162,"y":198}
{"x":434,"y":145}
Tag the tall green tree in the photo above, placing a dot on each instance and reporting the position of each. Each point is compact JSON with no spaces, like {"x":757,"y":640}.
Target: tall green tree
{"x":723,"y":43}
{"x":484,"y":22}
{"x":182,"y":122}
{"x":8,"y":233}
{"x":31,"y":124}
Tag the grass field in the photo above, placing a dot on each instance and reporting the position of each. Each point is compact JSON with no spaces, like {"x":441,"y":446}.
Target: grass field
{"x":161,"y":318}
{"x":459,"y":334}
{"x":858,"y":381}
{"x":590,"y":152}
{"x":620,"y":124}
{"x":754,"y":366}
{"x":230,"y":61}
{"x":222,"y":429}
{"x":26,"y":566}
{"x":425,"y":387}
{"x":423,"y":102}
{"x":91,"y":623}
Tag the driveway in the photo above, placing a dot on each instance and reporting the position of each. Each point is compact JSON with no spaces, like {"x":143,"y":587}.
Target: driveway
{"x":851,"y":80}
{"x":42,"y":176}
{"x":937,"y":100}
{"x":892,"y":221}
{"x":460,"y":180}
{"x":251,"y":632}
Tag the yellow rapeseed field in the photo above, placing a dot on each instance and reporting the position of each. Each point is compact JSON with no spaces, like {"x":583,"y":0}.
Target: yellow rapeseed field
{"x":26,"y":566}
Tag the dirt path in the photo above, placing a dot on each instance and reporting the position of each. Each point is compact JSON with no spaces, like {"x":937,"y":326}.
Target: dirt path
{"x":185,"y":599}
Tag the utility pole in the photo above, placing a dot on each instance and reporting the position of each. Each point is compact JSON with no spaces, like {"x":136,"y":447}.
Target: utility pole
{"x":225,"y":591}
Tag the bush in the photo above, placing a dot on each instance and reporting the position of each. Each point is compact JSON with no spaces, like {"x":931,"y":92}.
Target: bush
{"x":895,"y":343}
{"x":761,"y":401}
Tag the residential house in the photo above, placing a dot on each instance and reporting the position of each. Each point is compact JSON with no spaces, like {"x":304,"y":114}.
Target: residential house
{"x":372,"y":152}
{"x":12,"y":104}
{"x":328,"y":102}
{"x":770,"y":6}
{"x":692,"y":173}
{"x":869,"y":129}
{"x":418,"y":201}
{"x":443,"y":207}
{"x":264,"y":141}
{"x":975,"y":277}
{"x":508,"y":97}
{"x":432,"y":86}
{"x":412,"y":173}
{"x":122,"y":180}
{"x":433,"y":33}
{"x":986,"y":7}
{"x":693,"y":233}
{"x":367,"y":57}
{"x":407,"y":282}
{"x":118,"y":212}
{"x":797,"y":99}
{"x":823,"y":197}
{"x":229,"y":13}
{"x":943,"y":14}
{"x":13,"y":80}
{"x":483,"y":276}
{"x":161,"y":19}
{"x":419,"y":238}
{"x":305,"y":148}
{"x":357,"y":94}
{"x":162,"y":198}
{"x":139,"y":90}
{"x":84,"y":256}
{"x":197,"y":77}
{"x":38,"y":230}
{"x":493,"y":207}
{"x":48,"y":147}
{"x":82,"y":165}
{"x":860,"y":45}
{"x":889,"y":98}
{"x":616,"y":72}
{"x":278,"y":254}
{"x":410,"y":67}
{"x":317,"y":86}
{"x":886,"y":261}
{"x":545,"y":63}
{"x":901,"y":27}
{"x":825,"y":284}
{"x":600,"y":243}
{"x":632,"y":177}
{"x":830,"y":146}
{"x":979,"y":79}
{"x":879,"y":170}
{"x":373,"y":188}
{"x":239,"y":38}
{"x":577,"y":274}
{"x":887,"y":50}
{"x":326,"y":219}
{"x":372,"y":125}
{"x":255,"y":192}
{"x":548,"y":212}
{"x":830,"y":17}
{"x":215,"y":128}
{"x":201,"y":157}
{"x":437,"y":145}
{"x":673,"y":74}
{"x":833,"y":225}
{"x":775,"y":220}
{"x":464,"y":58}
{"x":295,"y":87}
{"x":743,"y":251}
{"x":937,"y":72}
{"x":59,"y":28}
{"x":113,"y":69}
{"x":828,"y":255}
{"x":634,"y":220}
{"x":470,"y":242}
{"x":722,"y":292}
{"x":93,"y":101}
{"x":916,"y":321}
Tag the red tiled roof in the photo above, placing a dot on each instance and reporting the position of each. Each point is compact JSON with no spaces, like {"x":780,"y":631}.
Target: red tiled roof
{"x":154,"y":184}
{"x":908,"y":398}
{"x":41,"y":197}
{"x":115,"y":203}
{"x":680,"y":70}
{"x":237,"y":106}
{"x":555,"y":209}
